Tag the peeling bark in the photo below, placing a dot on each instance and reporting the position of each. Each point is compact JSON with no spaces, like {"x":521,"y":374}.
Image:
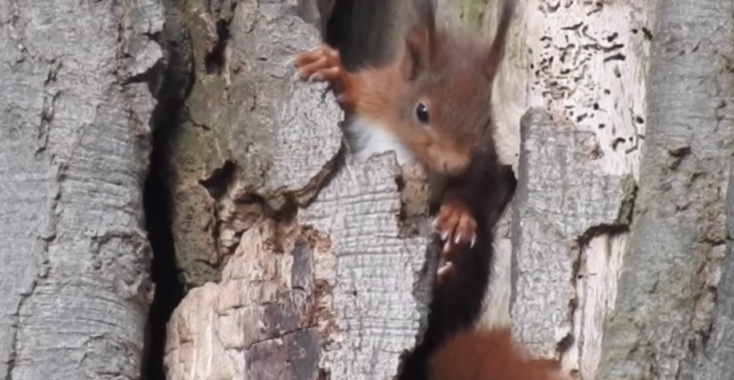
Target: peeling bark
{"x":587,"y":64}
{"x":565,"y":208}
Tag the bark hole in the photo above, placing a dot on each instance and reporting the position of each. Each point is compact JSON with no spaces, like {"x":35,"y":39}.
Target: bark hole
{"x":215,"y":59}
{"x":216,"y":184}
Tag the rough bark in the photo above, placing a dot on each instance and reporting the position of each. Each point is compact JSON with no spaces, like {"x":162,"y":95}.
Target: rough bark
{"x":335,"y":284}
{"x":671,"y":267}
{"x":562,"y":207}
{"x":323,"y":259}
{"x":74,"y":143}
{"x":716,"y":361}
{"x":579,"y":150}
{"x":320,"y":263}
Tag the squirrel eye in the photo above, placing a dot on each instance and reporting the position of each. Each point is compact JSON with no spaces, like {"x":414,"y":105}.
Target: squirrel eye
{"x":421,"y":112}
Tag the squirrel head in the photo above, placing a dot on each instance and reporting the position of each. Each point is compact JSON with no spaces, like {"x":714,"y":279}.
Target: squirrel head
{"x":444,"y":96}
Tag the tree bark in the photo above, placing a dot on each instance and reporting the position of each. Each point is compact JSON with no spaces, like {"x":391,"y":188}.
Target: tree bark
{"x":672,"y":264}
{"x":303,"y":264}
{"x":74,"y":144}
{"x":716,"y":361}
{"x":321,"y":264}
{"x":587,"y":63}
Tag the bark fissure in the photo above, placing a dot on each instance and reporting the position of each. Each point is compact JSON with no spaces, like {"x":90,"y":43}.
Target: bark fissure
{"x":174,"y":77}
{"x":168,"y":289}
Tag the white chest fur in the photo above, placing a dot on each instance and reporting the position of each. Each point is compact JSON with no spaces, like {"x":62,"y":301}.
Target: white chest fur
{"x":366,"y":139}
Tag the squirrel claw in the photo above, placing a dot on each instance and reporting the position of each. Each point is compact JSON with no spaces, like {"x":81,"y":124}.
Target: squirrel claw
{"x":446,"y":247}
{"x":444,"y":271}
{"x":321,"y":63}
{"x":315,"y":77}
{"x":455,"y":223}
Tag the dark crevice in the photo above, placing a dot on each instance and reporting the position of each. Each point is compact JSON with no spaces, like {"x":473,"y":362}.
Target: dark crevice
{"x":218,"y":182}
{"x":214,"y":61}
{"x":598,"y":230}
{"x":175,"y":78}
{"x":164,"y":271}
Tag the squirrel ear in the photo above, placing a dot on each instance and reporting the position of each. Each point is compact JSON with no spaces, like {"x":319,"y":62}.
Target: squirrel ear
{"x":420,"y":42}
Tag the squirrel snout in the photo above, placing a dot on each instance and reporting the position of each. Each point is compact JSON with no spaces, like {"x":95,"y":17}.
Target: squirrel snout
{"x":447,"y":162}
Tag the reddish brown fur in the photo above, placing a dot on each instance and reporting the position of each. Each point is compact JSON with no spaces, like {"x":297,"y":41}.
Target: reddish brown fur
{"x":449,"y":73}
{"x":489,"y":355}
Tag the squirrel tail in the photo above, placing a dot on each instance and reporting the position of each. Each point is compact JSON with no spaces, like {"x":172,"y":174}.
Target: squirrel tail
{"x":489,"y":354}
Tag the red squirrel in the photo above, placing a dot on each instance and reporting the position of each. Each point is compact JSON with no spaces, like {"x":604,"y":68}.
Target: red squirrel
{"x":433,"y":103}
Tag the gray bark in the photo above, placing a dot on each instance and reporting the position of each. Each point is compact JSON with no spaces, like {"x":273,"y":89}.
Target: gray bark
{"x":717,"y":359}
{"x":677,"y":240}
{"x":586,"y":69}
{"x":216,"y":128}
{"x":562,"y":202}
{"x":318,"y":268}
{"x":74,"y":144}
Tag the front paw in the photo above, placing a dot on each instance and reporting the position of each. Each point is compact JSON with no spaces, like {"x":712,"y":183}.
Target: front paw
{"x":319,"y":64}
{"x":455,"y":223}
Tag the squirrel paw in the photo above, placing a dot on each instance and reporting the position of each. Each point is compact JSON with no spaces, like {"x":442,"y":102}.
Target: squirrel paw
{"x":455,"y":224}
{"x":319,"y":64}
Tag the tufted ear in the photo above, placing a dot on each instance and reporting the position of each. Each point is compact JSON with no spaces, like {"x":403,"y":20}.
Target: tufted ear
{"x":420,"y":42}
{"x":496,"y":52}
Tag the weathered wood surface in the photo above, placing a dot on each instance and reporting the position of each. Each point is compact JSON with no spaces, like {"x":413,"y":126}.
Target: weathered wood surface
{"x":379,"y":285}
{"x":335,"y":292}
{"x":243,"y":119}
{"x":671,"y":268}
{"x":74,"y":145}
{"x":339,"y":284}
{"x":586,"y":70}
{"x":562,"y":207}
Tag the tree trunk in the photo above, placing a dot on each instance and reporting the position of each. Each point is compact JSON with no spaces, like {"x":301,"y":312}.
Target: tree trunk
{"x":671,"y":268}
{"x":578,"y":163}
{"x":716,"y":360}
{"x":276,"y":256}
{"x":75,"y":142}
